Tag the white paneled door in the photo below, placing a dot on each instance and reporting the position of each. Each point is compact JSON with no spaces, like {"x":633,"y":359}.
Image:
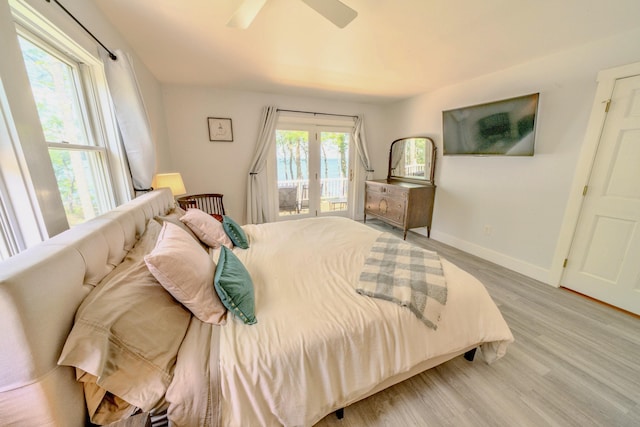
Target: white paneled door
{"x":604,"y":261}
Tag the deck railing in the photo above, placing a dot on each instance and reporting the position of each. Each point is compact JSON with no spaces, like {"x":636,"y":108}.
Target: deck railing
{"x":414,"y":170}
{"x":330,"y":188}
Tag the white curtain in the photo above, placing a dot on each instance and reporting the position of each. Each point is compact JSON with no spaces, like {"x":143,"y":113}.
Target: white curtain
{"x":132,"y":119}
{"x":259,"y":206}
{"x":397,"y":158}
{"x":361,"y":146}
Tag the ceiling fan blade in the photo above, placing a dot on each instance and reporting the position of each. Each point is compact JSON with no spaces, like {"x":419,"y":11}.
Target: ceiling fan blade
{"x":334,"y":10}
{"x":245,"y":14}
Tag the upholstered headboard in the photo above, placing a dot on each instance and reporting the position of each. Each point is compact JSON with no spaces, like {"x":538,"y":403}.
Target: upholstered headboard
{"x":40,"y":291}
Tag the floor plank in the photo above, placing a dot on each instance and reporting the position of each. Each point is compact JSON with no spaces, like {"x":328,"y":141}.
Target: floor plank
{"x":575,"y":362}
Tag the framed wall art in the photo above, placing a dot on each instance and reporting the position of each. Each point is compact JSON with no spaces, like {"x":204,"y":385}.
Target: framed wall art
{"x":220,"y":129}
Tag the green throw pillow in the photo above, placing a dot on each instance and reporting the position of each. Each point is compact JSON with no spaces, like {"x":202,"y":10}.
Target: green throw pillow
{"x":235,"y":232}
{"x":234,"y":286}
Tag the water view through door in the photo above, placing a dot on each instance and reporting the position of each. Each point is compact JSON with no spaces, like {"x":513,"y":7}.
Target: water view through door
{"x":313,"y":172}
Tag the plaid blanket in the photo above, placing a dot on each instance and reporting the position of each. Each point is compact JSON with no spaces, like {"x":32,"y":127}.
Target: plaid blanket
{"x":407,"y":275}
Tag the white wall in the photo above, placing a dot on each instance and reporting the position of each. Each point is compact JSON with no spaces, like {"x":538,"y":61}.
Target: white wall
{"x":222,"y":167}
{"x":521,"y":200}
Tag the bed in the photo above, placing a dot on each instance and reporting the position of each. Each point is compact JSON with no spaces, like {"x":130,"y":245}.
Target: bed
{"x":70,"y":337}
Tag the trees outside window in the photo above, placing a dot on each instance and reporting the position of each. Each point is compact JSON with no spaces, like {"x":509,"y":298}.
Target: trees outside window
{"x":79,"y":160}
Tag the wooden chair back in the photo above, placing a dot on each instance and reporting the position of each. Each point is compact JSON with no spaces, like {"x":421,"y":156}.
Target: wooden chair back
{"x":209,"y":203}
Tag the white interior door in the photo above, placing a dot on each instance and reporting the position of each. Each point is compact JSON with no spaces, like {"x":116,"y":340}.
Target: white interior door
{"x":604,"y":260}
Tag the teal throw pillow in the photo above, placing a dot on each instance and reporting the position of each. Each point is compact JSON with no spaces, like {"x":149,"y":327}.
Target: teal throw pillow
{"x":235,"y":232}
{"x":234,"y":286}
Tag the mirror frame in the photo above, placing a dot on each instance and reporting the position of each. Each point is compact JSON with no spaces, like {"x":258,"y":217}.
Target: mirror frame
{"x":410,"y":178}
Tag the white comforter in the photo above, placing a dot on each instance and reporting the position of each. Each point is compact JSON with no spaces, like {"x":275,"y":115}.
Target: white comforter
{"x":318,"y":345}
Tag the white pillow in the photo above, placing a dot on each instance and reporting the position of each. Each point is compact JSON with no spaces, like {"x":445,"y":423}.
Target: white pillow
{"x":208,"y":229}
{"x":186,"y":271}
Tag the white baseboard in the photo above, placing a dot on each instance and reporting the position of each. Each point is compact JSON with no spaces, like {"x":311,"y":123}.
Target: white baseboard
{"x":520,"y":266}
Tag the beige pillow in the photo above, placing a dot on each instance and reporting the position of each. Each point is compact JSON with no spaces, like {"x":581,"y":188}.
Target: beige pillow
{"x":207,"y":228}
{"x":186,"y":271}
{"x":176,"y":220}
{"x":125,"y":338}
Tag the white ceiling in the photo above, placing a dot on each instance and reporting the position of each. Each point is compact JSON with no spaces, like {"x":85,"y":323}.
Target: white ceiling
{"x":392,"y":50}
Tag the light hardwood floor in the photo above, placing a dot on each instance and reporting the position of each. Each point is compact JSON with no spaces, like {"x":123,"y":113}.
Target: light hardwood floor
{"x":575,"y":362}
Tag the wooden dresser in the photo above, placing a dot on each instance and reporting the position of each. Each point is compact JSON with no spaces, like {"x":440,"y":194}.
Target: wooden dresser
{"x":399,"y":203}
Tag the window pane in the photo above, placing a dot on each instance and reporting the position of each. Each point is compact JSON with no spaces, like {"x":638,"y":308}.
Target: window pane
{"x":81,"y":183}
{"x":292,"y":150}
{"x":54,"y":90}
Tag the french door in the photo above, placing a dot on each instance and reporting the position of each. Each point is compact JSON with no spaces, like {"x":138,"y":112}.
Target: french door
{"x":314,"y":171}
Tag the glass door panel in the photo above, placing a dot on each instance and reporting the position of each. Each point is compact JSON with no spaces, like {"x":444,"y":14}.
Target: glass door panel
{"x":292,"y":155}
{"x":334,"y":171}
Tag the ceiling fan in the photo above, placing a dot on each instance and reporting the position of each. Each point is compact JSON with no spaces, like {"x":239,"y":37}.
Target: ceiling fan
{"x":334,"y":10}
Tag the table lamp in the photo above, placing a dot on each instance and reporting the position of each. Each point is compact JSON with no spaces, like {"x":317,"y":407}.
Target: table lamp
{"x":171,"y":180}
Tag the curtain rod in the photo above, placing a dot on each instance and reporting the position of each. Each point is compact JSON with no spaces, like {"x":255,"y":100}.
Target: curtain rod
{"x":111,"y":54}
{"x":318,"y":114}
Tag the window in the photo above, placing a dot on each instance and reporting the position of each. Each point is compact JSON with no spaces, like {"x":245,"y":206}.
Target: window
{"x":65,"y":108}
{"x":79,"y":134}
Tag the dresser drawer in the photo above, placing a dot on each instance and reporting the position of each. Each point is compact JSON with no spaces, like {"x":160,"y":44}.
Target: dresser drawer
{"x":401,"y":204}
{"x":382,"y":205}
{"x":386,"y":189}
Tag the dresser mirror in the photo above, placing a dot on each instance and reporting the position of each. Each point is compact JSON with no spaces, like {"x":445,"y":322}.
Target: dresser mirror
{"x":405,"y":199}
{"x":412,"y":158}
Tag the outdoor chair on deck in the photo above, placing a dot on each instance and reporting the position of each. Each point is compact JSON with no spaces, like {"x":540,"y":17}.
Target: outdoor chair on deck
{"x":287,"y":199}
{"x":209,"y":203}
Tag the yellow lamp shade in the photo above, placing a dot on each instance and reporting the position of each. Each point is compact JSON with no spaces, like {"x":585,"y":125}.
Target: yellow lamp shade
{"x":171,"y":180}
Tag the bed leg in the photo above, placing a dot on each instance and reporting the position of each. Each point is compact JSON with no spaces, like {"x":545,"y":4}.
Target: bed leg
{"x":469,"y":355}
{"x":340,"y":413}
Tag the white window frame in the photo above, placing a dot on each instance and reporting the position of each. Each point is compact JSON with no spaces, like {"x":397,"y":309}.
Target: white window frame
{"x":87,"y":105}
{"x":99,"y":117}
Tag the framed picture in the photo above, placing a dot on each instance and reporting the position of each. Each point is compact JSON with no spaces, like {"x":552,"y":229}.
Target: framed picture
{"x":220,"y":129}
